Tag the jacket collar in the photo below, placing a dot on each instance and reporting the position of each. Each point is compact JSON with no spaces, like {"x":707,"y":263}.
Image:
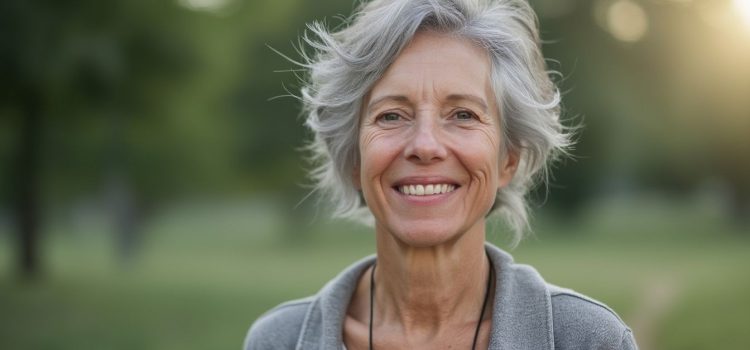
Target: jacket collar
{"x":521,"y":319}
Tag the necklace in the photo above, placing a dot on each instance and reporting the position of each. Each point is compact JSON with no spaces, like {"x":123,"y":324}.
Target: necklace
{"x":481,"y":314}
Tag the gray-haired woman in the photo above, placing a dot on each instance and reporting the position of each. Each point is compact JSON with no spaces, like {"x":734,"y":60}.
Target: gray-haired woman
{"x":428,"y":116}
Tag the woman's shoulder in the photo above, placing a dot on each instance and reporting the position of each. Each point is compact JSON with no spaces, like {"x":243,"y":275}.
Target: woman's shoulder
{"x":581,"y":322}
{"x":304,"y":320}
{"x":279,"y":327}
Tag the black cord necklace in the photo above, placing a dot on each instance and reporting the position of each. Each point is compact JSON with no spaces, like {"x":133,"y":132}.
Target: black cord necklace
{"x":481,"y":315}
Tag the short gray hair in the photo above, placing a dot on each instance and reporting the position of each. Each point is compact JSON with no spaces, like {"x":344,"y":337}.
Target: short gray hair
{"x":346,"y":63}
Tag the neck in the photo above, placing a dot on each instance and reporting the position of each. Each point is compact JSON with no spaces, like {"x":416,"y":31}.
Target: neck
{"x":426,"y":289}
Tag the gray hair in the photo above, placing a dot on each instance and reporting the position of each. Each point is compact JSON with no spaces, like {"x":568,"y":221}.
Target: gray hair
{"x":346,"y":63}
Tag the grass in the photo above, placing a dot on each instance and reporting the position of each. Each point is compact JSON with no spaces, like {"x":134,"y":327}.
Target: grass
{"x":200,"y":280}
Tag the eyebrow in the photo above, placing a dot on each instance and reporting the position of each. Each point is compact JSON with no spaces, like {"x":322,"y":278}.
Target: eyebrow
{"x":452,"y":97}
{"x":379,"y":100}
{"x":473,"y":98}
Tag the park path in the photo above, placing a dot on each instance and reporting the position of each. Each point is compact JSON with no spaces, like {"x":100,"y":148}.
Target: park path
{"x":656,"y":300}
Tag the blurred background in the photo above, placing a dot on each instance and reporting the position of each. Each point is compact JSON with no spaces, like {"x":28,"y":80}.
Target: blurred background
{"x":152,"y":186}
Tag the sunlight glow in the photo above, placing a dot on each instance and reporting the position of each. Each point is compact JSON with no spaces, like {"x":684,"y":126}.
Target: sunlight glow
{"x":743,"y":9}
{"x":627,"y":21}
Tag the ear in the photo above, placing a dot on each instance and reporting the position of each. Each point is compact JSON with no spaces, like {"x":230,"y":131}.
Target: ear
{"x":508,"y":167}
{"x":355,"y":178}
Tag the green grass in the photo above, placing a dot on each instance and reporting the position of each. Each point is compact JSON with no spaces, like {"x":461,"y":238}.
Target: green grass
{"x":198,"y":283}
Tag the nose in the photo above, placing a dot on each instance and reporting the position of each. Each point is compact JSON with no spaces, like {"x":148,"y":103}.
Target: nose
{"x":426,"y":144}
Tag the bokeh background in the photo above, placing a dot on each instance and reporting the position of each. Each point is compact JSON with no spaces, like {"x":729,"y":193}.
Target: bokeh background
{"x":151,"y":189}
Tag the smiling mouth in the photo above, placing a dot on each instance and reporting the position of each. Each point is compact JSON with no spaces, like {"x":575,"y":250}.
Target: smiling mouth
{"x":426,"y":190}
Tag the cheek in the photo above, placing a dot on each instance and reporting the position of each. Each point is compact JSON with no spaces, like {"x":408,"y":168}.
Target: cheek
{"x":480,"y":151}
{"x":377,"y":150}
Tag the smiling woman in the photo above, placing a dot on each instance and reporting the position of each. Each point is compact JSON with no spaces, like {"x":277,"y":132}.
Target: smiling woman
{"x":428,"y":116}
{"x":433,"y":123}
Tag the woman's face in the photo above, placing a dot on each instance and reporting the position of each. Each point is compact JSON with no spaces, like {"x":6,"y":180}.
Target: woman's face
{"x":430,"y":143}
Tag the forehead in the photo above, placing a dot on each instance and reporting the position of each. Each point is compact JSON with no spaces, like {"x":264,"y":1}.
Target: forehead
{"x":444,"y":63}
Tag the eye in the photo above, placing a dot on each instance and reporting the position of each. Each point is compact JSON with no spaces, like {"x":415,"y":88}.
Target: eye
{"x":464,"y":115}
{"x":390,"y":117}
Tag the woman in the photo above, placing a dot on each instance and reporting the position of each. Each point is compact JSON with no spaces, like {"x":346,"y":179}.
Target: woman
{"x":428,"y":116}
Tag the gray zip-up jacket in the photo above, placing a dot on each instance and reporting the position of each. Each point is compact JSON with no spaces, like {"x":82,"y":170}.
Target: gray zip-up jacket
{"x":528,"y":314}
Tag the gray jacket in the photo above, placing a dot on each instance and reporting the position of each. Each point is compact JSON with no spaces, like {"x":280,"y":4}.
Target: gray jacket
{"x":528,"y":314}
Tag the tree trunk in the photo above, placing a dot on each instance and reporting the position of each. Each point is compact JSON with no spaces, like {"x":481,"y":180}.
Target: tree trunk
{"x":25,"y":186}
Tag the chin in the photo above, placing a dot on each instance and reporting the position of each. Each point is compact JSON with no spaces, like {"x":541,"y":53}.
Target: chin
{"x":425,"y":234}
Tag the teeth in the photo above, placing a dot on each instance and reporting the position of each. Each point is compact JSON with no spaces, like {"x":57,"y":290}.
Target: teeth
{"x":426,"y":190}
